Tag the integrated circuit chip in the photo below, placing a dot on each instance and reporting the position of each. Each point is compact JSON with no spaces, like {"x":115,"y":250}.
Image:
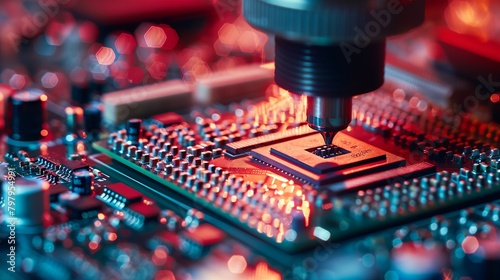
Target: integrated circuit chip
{"x":166,"y":119}
{"x":351,"y":158}
{"x":244,"y":146}
{"x":120,"y":195}
{"x":139,"y":213}
{"x":55,"y":191}
{"x":84,"y":207}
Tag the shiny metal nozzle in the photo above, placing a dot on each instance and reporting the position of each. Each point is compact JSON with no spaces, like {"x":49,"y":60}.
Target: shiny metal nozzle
{"x":329,"y":115}
{"x":328,"y":137}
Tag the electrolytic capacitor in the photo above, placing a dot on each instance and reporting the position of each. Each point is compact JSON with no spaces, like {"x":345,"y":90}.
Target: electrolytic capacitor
{"x":31,"y":198}
{"x":92,"y":118}
{"x":134,"y":131}
{"x":82,"y":182}
{"x":25,"y":118}
{"x":80,"y":93}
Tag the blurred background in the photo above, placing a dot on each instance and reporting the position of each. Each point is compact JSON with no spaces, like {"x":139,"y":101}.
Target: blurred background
{"x":76,"y":50}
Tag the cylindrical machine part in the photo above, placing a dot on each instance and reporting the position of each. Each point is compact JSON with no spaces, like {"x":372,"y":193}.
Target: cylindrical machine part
{"x":30,"y":198}
{"x":82,"y":182}
{"x":329,"y":114}
{"x":134,"y":131}
{"x":331,"y":49}
{"x":336,"y":70}
{"x":327,"y":22}
{"x":25,"y":118}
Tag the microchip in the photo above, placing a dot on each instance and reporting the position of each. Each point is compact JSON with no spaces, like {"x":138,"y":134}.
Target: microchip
{"x":197,"y":242}
{"x":55,"y":191}
{"x":120,"y":195}
{"x":167,"y":119}
{"x":351,"y":158}
{"x":245,"y":146}
{"x":204,"y":235}
{"x":56,"y":162}
{"x":72,"y":165}
{"x":49,"y":161}
{"x":84,"y":207}
{"x":139,"y":213}
{"x":165,"y":238}
{"x":327,"y":151}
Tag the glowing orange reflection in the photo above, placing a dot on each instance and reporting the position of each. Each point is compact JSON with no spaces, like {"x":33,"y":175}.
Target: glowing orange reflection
{"x":470,"y":17}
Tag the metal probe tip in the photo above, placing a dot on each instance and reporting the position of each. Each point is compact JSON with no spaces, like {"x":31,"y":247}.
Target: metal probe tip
{"x":328,"y":137}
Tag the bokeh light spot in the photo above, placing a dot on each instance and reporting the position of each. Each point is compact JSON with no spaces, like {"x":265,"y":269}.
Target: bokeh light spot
{"x":470,"y":245}
{"x":495,"y":97}
{"x":105,"y":56}
{"x":49,"y":80}
{"x":237,"y":264}
{"x":125,"y":43}
{"x":155,"y":37}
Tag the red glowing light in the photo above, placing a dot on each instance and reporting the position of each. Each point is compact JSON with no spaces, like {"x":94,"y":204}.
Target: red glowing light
{"x":105,"y":56}
{"x":495,"y":97}
{"x":228,"y":34}
{"x":157,"y":70}
{"x":112,"y":236}
{"x":172,"y":37}
{"x":155,"y":37}
{"x":160,"y":255}
{"x":249,"y":41}
{"x":472,"y":17}
{"x":125,"y":43}
{"x":164,"y":275}
{"x":135,"y":75}
{"x":88,"y":32}
{"x":237,"y":264}
{"x":470,"y":245}
{"x":93,"y":245}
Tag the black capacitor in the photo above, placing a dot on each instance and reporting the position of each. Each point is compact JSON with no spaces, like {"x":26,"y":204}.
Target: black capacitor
{"x":82,"y":182}
{"x":25,"y":116}
{"x":92,"y":118}
{"x":134,"y":131}
{"x":80,"y":94}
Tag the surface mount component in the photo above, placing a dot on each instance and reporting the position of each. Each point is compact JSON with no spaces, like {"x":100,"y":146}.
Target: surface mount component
{"x":25,"y":116}
{"x":120,"y":195}
{"x":245,"y":146}
{"x":353,"y":158}
{"x":145,"y":101}
{"x":83,"y":207}
{"x":233,"y":85}
{"x":82,"y":182}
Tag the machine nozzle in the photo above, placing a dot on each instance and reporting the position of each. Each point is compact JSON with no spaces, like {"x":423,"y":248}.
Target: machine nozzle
{"x":329,"y":115}
{"x":328,"y":137}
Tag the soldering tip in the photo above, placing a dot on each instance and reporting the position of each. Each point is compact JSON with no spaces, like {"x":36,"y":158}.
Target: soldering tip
{"x":328,"y":137}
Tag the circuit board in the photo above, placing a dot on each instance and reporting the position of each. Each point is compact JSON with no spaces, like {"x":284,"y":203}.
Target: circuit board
{"x":263,"y":180}
{"x":154,"y":143}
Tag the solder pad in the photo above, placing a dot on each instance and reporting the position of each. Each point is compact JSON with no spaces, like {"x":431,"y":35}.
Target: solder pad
{"x":295,"y":157}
